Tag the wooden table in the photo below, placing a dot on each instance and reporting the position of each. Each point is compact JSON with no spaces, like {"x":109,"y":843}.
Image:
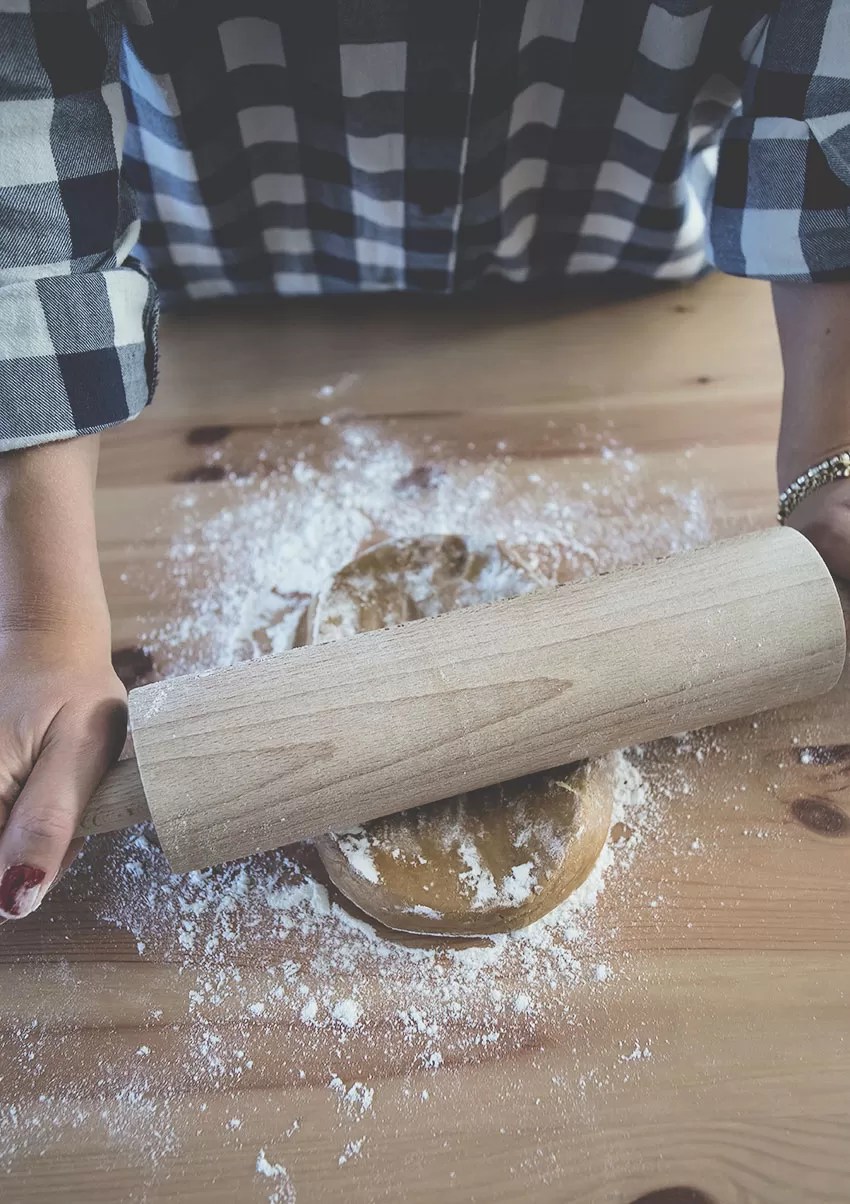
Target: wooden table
{"x":713,"y":1068}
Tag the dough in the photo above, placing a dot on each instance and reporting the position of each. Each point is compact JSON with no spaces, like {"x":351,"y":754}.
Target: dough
{"x":489,"y":861}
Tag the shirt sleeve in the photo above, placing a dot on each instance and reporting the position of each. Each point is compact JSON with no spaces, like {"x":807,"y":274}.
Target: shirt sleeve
{"x":782,"y":196}
{"x":78,"y":314}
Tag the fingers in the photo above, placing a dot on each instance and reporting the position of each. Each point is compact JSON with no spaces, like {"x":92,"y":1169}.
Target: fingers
{"x":74,"y":850}
{"x":35,"y":842}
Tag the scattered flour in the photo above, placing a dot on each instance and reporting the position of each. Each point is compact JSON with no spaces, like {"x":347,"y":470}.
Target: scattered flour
{"x":352,"y":1150}
{"x":520,"y":883}
{"x":347,"y":1012}
{"x":356,"y":1099}
{"x":354,"y":845}
{"x":244,"y":573}
{"x":283,"y":1191}
{"x":637,"y":1054}
{"x":239,"y":961}
{"x":477,"y":878}
{"x":515,"y":887}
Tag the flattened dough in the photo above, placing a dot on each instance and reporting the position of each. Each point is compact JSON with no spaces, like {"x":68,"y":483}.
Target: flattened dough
{"x":489,"y":861}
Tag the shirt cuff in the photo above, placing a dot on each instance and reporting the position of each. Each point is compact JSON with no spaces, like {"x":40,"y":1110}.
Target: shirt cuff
{"x":782,"y":199}
{"x":78,"y":353}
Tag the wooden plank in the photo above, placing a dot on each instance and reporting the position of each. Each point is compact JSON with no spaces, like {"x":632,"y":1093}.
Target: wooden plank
{"x":727,"y":942}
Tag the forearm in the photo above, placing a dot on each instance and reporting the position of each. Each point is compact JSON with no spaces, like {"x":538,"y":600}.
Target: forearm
{"x":49,"y":573}
{"x":814,"y":333}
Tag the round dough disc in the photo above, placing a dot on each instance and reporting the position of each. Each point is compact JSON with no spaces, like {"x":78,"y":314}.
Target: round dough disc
{"x":485,"y":862}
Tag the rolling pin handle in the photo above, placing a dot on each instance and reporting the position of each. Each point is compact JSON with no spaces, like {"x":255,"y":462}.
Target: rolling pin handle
{"x":118,"y":802}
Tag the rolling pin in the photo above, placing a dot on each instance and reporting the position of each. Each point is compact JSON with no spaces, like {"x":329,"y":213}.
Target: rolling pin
{"x":238,"y":760}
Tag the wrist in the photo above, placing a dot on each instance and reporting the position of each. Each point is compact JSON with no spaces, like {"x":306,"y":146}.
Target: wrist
{"x":50,"y":582}
{"x":805,"y":449}
{"x":813,"y":321}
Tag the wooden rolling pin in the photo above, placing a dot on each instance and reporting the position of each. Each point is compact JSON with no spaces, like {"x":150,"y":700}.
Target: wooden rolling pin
{"x":238,"y":760}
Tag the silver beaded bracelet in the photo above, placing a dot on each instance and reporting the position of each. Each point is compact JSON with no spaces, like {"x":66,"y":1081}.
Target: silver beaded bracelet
{"x":832,"y":469}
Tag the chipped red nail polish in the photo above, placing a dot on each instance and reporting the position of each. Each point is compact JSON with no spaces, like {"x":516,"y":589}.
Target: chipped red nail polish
{"x":19,"y":890}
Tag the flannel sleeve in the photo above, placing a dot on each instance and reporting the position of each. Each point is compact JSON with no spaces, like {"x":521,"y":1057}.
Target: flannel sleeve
{"x":782,"y":196}
{"x":77,"y":313}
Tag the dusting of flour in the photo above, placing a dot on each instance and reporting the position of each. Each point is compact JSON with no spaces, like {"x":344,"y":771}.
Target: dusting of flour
{"x":250,"y":567}
{"x":241,"y":962}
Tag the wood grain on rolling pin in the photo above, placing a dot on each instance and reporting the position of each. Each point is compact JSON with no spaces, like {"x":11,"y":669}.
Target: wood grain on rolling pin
{"x":255,"y":756}
{"x":118,"y":803}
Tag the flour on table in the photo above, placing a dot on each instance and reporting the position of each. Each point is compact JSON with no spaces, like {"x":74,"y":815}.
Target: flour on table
{"x":352,"y":1150}
{"x":283,"y":1192}
{"x":347,"y":1012}
{"x":235,"y":959}
{"x":356,"y":1099}
{"x":245,"y":572}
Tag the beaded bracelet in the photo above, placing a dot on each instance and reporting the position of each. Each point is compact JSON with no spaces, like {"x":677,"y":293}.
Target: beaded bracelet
{"x":832,"y":469}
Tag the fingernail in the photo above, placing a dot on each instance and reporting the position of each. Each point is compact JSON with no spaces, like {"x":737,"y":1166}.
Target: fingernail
{"x":20,"y":891}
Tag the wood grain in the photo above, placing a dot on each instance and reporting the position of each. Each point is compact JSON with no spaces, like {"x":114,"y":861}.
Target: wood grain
{"x":119,"y":802}
{"x":264,"y":753}
{"x":737,"y":982}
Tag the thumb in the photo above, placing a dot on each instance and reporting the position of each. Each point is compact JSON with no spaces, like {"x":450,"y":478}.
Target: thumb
{"x":76,"y":752}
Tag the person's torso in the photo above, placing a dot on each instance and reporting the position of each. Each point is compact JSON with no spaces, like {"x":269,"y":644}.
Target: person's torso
{"x":426,"y":144}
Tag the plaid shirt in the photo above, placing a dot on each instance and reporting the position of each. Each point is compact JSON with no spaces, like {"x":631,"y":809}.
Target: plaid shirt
{"x":259,"y":146}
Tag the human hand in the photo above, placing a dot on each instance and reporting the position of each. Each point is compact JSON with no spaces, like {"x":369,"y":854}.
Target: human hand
{"x":62,"y":708}
{"x":62,"y":723}
{"x":824,"y":518}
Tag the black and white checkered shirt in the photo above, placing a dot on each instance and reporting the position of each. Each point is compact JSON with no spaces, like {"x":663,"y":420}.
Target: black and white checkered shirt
{"x":307,"y":146}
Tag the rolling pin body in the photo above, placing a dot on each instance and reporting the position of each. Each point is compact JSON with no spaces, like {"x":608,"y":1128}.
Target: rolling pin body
{"x":248,"y":758}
